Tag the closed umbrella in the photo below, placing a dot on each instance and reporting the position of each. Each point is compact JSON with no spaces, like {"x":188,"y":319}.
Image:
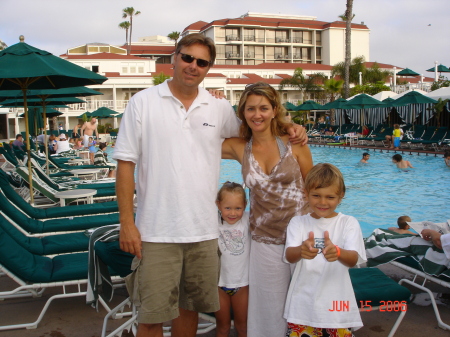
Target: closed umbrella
{"x":23,"y":67}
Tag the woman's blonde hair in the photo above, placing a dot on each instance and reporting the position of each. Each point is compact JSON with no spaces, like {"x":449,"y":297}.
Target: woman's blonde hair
{"x":277,"y":125}
{"x":325,"y":175}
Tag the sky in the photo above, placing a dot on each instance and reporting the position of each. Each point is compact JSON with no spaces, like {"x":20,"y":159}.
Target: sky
{"x":404,"y":33}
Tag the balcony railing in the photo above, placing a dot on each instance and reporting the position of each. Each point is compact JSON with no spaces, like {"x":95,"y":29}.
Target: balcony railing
{"x":232,"y":38}
{"x":249,"y":55}
{"x":297,"y":40}
{"x":282,"y":56}
{"x":281,"y":40}
{"x":249,"y":38}
{"x":232,"y":55}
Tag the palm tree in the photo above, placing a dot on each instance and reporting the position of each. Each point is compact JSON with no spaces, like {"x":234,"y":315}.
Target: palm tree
{"x":130,"y":12}
{"x":356,"y":66}
{"x":160,"y":78}
{"x":174,"y":36}
{"x":306,"y":84}
{"x":333,"y":87}
{"x":348,"y":16}
{"x":125,"y":25}
{"x":374,"y":74}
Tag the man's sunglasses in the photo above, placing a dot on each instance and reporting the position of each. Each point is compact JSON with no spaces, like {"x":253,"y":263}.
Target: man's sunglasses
{"x":189,"y":59}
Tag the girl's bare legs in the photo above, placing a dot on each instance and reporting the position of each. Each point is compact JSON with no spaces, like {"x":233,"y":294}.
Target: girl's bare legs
{"x":239,"y":303}
{"x":223,"y":316}
{"x":91,"y":157}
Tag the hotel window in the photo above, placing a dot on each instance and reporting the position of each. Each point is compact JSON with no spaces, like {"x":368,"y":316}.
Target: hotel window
{"x":95,"y":69}
{"x":270,"y":53}
{"x":249,"y":35}
{"x":259,"y":35}
{"x":232,"y":52}
{"x":297,"y":53}
{"x":124,"y":70}
{"x":318,"y":53}
{"x":133,"y":69}
{"x":232,"y":34}
{"x":220,"y":34}
{"x":259,"y":53}
{"x":307,"y":37}
{"x":270,"y":36}
{"x":281,"y":36}
{"x":318,"y":38}
{"x":249,"y":52}
{"x":220,"y":51}
{"x":297,"y":36}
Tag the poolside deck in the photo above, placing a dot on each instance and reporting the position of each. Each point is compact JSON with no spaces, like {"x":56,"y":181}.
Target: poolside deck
{"x":73,"y":318}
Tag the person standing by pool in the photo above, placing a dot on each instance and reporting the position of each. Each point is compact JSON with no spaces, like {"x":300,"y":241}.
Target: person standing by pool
{"x":178,"y":174}
{"x":76,"y":131}
{"x":394,"y":139}
{"x":87,"y":130}
{"x":274,"y":170}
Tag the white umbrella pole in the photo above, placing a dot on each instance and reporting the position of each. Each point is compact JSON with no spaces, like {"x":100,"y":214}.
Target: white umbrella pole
{"x":27,"y":134}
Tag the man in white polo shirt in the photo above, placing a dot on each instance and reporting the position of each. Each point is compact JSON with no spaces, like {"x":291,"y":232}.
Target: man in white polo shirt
{"x":173,"y":132}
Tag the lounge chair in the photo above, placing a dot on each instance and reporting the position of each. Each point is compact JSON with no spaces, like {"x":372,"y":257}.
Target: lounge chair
{"x":54,"y":212}
{"x":34,"y":273}
{"x":419,"y":130}
{"x":428,"y":134}
{"x":436,"y":140}
{"x":411,"y":253}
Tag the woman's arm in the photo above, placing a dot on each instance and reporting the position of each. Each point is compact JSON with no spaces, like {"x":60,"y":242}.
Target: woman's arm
{"x":304,"y":158}
{"x":233,"y":148}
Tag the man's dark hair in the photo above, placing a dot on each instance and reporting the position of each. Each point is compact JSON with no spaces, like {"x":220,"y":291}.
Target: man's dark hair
{"x":19,"y":135}
{"x":101,"y":146}
{"x":200,"y":39}
{"x":397,"y":157}
{"x":366,"y":154}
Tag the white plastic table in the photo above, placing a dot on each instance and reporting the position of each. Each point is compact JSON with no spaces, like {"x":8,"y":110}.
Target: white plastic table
{"x":351,"y":139}
{"x":77,"y":161}
{"x":76,"y":194}
{"x":82,"y":172}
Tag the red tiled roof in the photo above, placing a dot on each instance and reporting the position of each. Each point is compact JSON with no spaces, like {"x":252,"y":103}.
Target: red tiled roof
{"x":305,"y":66}
{"x":279,"y":22}
{"x":272,"y":81}
{"x":283,"y":76}
{"x":161,"y":50}
{"x":196,"y":25}
{"x":253,"y":77}
{"x":101,"y":56}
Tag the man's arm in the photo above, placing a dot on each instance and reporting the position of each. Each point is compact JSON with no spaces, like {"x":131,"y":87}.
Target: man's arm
{"x":82,"y":129}
{"x":130,"y":238}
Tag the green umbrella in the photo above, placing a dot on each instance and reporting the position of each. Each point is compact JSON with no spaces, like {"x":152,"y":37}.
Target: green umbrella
{"x":50,"y":93}
{"x":414,"y":97}
{"x":103,"y":112}
{"x":407,"y":72}
{"x":38,"y":102}
{"x":337,"y":104}
{"x":362,"y":102}
{"x":23,"y":67}
{"x":290,"y":107}
{"x":440,"y":68}
{"x":309,"y":105}
{"x":87,"y":113}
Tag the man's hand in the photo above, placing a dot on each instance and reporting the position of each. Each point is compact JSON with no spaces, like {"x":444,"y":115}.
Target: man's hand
{"x":330,"y":251}
{"x":297,"y":134}
{"x":130,"y":240}
{"x":217,"y":93}
{"x":308,"y":250}
{"x":432,"y":235}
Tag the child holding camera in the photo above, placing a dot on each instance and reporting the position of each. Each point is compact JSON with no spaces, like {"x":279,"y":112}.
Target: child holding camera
{"x":324,"y":244}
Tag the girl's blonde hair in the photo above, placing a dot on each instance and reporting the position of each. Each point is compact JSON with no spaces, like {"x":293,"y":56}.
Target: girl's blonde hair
{"x":232,"y":188}
{"x":277,"y":125}
{"x":324,"y":175}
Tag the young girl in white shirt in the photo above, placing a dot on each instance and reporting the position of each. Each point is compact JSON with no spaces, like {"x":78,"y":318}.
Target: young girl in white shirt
{"x":324,"y":245}
{"x":234,"y":245}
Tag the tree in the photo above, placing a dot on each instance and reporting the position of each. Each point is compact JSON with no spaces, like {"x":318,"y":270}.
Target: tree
{"x":333,"y":87}
{"x":174,"y":36}
{"x":306,"y":84}
{"x":374,"y":74}
{"x":160,"y":78}
{"x":130,"y":12}
{"x":348,"y":16}
{"x":125,"y":25}
{"x":439,"y":108}
{"x":369,"y":89}
{"x":356,"y":66}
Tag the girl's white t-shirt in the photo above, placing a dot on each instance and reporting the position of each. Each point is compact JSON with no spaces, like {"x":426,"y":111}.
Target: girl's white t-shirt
{"x":318,"y":285}
{"x":234,"y":244}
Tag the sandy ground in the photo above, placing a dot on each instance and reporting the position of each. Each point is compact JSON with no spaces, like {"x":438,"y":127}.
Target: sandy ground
{"x":73,"y":318}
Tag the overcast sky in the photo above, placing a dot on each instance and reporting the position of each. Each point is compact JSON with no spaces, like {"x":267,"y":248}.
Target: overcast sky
{"x":404,"y":33}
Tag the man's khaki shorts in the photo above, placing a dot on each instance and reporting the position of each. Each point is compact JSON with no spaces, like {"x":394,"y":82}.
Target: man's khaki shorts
{"x":174,"y":275}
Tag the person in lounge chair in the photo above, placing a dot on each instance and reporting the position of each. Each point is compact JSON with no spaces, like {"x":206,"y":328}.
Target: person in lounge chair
{"x":402,"y":223}
{"x":100,"y":159}
{"x":397,"y":159}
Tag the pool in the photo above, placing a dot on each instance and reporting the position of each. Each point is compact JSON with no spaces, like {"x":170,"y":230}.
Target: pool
{"x":377,"y":192}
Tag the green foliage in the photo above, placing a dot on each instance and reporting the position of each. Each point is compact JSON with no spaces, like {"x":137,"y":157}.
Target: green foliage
{"x":438,"y":108}
{"x":129,"y":12}
{"x":174,"y":36}
{"x":373,"y":74}
{"x":369,"y":89}
{"x":441,"y":82}
{"x":160,"y":78}
{"x":306,"y":84}
{"x":85,"y":118}
{"x":125,"y":25}
{"x":332,"y":88}
{"x":101,"y":128}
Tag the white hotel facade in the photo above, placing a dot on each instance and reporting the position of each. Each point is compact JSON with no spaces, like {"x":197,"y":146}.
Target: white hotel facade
{"x":250,"y":48}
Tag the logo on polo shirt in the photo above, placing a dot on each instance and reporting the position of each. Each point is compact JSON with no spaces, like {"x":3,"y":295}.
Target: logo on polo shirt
{"x":206,"y":124}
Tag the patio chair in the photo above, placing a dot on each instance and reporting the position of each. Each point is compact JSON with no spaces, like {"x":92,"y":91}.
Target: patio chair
{"x":53,"y":212}
{"x":436,"y":140}
{"x":380,"y":138}
{"x":428,"y":134}
{"x":418,"y":132}
{"x":414,"y":254}
{"x":34,"y":273}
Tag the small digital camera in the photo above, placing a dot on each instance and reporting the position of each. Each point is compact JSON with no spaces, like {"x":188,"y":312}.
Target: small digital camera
{"x":319,"y":243}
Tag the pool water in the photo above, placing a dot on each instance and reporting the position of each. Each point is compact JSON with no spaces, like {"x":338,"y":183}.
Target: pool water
{"x":377,"y":192}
